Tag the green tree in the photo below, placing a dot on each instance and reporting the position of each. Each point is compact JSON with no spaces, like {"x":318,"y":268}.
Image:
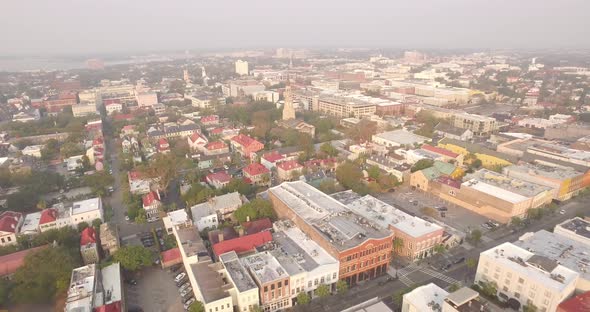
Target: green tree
{"x":256,"y":308}
{"x":374,"y":172}
{"x":440,"y":248}
{"x":342,"y":287}
{"x":489,"y":289}
{"x":44,"y":275}
{"x":303,"y":298}
{"x":133,"y":258}
{"x":197,"y":306}
{"x":96,"y":223}
{"x":474,"y":236}
{"x":141,"y":217}
{"x":387,"y":181}
{"x":349,"y":174}
{"x":422,"y":164}
{"x":453,"y":288}
{"x":5,"y":288}
{"x":99,"y":182}
{"x":328,"y":150}
{"x":529,"y":307}
{"x":254,"y":210}
{"x":471,"y":263}
{"x":328,"y":186}
{"x":240,"y":186}
{"x":516,"y":221}
{"x":164,"y":167}
{"x":322,"y":291}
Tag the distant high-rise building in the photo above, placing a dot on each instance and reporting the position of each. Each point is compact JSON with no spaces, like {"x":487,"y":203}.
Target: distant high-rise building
{"x":203,"y":72}
{"x":186,"y":76}
{"x":95,"y":64}
{"x":242,"y":68}
{"x":414,"y":56}
{"x":288,"y":110}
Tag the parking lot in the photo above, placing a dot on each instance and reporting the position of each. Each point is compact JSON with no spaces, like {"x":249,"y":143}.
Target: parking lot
{"x":413,"y":201}
{"x":155,"y":292}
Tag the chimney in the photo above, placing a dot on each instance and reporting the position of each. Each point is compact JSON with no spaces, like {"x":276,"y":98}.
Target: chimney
{"x":220,"y":237}
{"x":241,"y":231}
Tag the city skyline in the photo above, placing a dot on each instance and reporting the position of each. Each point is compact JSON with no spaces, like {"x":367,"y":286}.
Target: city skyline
{"x":116,"y":26}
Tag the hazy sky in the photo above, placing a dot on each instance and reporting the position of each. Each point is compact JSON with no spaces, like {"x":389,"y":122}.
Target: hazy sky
{"x":95,"y":26}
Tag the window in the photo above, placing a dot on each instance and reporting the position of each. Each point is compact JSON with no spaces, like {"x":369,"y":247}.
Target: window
{"x":334,"y":276}
{"x":287,"y":283}
{"x":505,"y":288}
{"x":3,"y":240}
{"x":520,"y":280}
{"x":272,"y":286}
{"x":9,"y":238}
{"x":516,"y":295}
{"x":507,"y":282}
{"x":280,"y":284}
{"x":309,"y":284}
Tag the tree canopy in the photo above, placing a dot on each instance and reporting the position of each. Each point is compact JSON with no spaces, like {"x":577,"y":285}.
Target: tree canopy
{"x":422,"y":164}
{"x":133,"y":258}
{"x":256,"y":209}
{"x":349,"y":175}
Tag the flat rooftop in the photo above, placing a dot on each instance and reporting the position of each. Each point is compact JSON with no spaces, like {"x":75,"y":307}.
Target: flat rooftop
{"x":265,"y":267}
{"x":191,"y":243}
{"x":111,"y":283}
{"x":329,"y":217}
{"x":425,"y":298}
{"x":506,"y":188}
{"x":569,"y":253}
{"x":237,"y":272}
{"x":577,"y":225}
{"x":81,"y":290}
{"x":31,"y":222}
{"x":545,"y":170}
{"x":465,"y":300}
{"x":542,"y":269}
{"x":296,"y":251}
{"x":402,"y":137}
{"x":385,"y":215}
{"x":86,"y":205}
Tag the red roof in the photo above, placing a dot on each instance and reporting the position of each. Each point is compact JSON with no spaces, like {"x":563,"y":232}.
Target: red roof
{"x":149,"y":198}
{"x":97,"y":141}
{"x":163,"y":141}
{"x":216,"y":131}
{"x":579,"y":303}
{"x":257,"y":226}
{"x":171,"y":255}
{"x":272,"y":157}
{"x":255,"y":169}
{"x":123,"y":117}
{"x":210,"y":118}
{"x":242,"y":244}
{"x":220,"y":176}
{"x":133,"y":175}
{"x":244,"y":140}
{"x":88,"y":236}
{"x":11,"y":262}
{"x":289,"y":165}
{"x":195,"y":136}
{"x":48,"y":215}
{"x":9,"y":221}
{"x":215,"y":145}
{"x":129,"y":127}
{"x":111,"y":307}
{"x":439,"y":150}
{"x":320,"y":162}
{"x":449,"y":181}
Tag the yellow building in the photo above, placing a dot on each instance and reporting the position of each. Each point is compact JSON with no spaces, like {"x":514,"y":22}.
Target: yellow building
{"x":489,"y":158}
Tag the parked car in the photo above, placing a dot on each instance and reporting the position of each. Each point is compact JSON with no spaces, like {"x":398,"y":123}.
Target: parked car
{"x":131,"y":282}
{"x":457,"y":261}
{"x":562,"y":212}
{"x":176,"y":267}
{"x":186,"y":292}
{"x":179,"y":277}
{"x":188,"y":303}
{"x":187,"y":298}
{"x":184,"y":286}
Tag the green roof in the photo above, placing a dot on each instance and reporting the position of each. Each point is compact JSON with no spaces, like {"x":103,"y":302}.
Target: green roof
{"x":438,"y":169}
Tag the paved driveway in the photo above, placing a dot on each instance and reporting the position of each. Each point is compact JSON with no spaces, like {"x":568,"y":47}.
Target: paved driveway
{"x":155,"y":292}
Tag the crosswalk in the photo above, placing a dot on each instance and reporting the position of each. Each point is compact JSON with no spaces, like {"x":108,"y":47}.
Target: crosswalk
{"x":404,"y":273}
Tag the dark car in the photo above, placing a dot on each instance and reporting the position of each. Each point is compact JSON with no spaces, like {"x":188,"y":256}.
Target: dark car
{"x":457,"y":261}
{"x":131,"y":282}
{"x":176,"y":267}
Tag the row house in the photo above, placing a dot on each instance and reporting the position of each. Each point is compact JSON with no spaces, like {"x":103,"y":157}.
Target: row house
{"x":288,"y":170}
{"x":257,"y":174}
{"x":246,"y":145}
{"x":152,"y":204}
{"x":218,"y":180}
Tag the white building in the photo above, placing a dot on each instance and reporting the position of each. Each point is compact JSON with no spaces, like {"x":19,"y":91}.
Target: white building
{"x":113,"y":107}
{"x":424,"y":298}
{"x":33,"y":150}
{"x":576,"y":229}
{"x":397,"y":138}
{"x":209,"y":213}
{"x":244,"y":293}
{"x":525,"y":276}
{"x":242,"y":68}
{"x":86,"y":211}
{"x":83,"y":109}
{"x":93,"y":289}
{"x":176,"y":218}
{"x":10,"y":224}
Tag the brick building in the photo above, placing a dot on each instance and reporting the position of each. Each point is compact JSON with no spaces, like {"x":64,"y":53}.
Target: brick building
{"x":363,"y":249}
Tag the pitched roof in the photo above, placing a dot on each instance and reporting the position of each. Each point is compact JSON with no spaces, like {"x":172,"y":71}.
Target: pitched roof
{"x":220,"y":176}
{"x":244,"y":140}
{"x":9,"y":221}
{"x":196,"y":136}
{"x":170,"y":255}
{"x":11,"y":262}
{"x":88,"y":236}
{"x":289,"y":165}
{"x":215,"y":145}
{"x":439,"y":150}
{"x":242,"y":244}
{"x":209,"y":118}
{"x":577,"y":303}
{"x":257,"y":226}
{"x":48,"y":215}
{"x":255,"y":169}
{"x":149,"y":198}
{"x":272,"y":157}
{"x":111,"y":307}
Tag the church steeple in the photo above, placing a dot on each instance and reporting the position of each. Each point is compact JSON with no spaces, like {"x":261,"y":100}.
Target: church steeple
{"x":288,"y":110}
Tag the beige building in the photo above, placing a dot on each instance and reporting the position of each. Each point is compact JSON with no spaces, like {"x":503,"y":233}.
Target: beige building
{"x":525,"y":276}
{"x":109,"y":238}
{"x":479,"y":125}
{"x":242,"y":68}
{"x":244,"y":293}
{"x":81,"y":110}
{"x":342,"y":107}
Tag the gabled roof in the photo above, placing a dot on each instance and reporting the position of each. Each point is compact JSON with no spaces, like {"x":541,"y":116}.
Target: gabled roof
{"x":289,"y":165}
{"x":244,"y":140}
{"x":196,"y":136}
{"x":255,"y":169}
{"x":210,"y":118}
{"x":215,"y":145}
{"x":272,"y":157}
{"x":9,"y":221}
{"x":257,"y":226}
{"x":149,"y":198}
{"x":171,"y":255}
{"x":439,"y":150}
{"x":88,"y":236}
{"x":220,"y":176}
{"x":48,"y":215}
{"x":242,"y":244}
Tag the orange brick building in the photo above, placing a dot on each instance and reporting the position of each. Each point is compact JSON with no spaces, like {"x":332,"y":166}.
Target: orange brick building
{"x":364,"y":250}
